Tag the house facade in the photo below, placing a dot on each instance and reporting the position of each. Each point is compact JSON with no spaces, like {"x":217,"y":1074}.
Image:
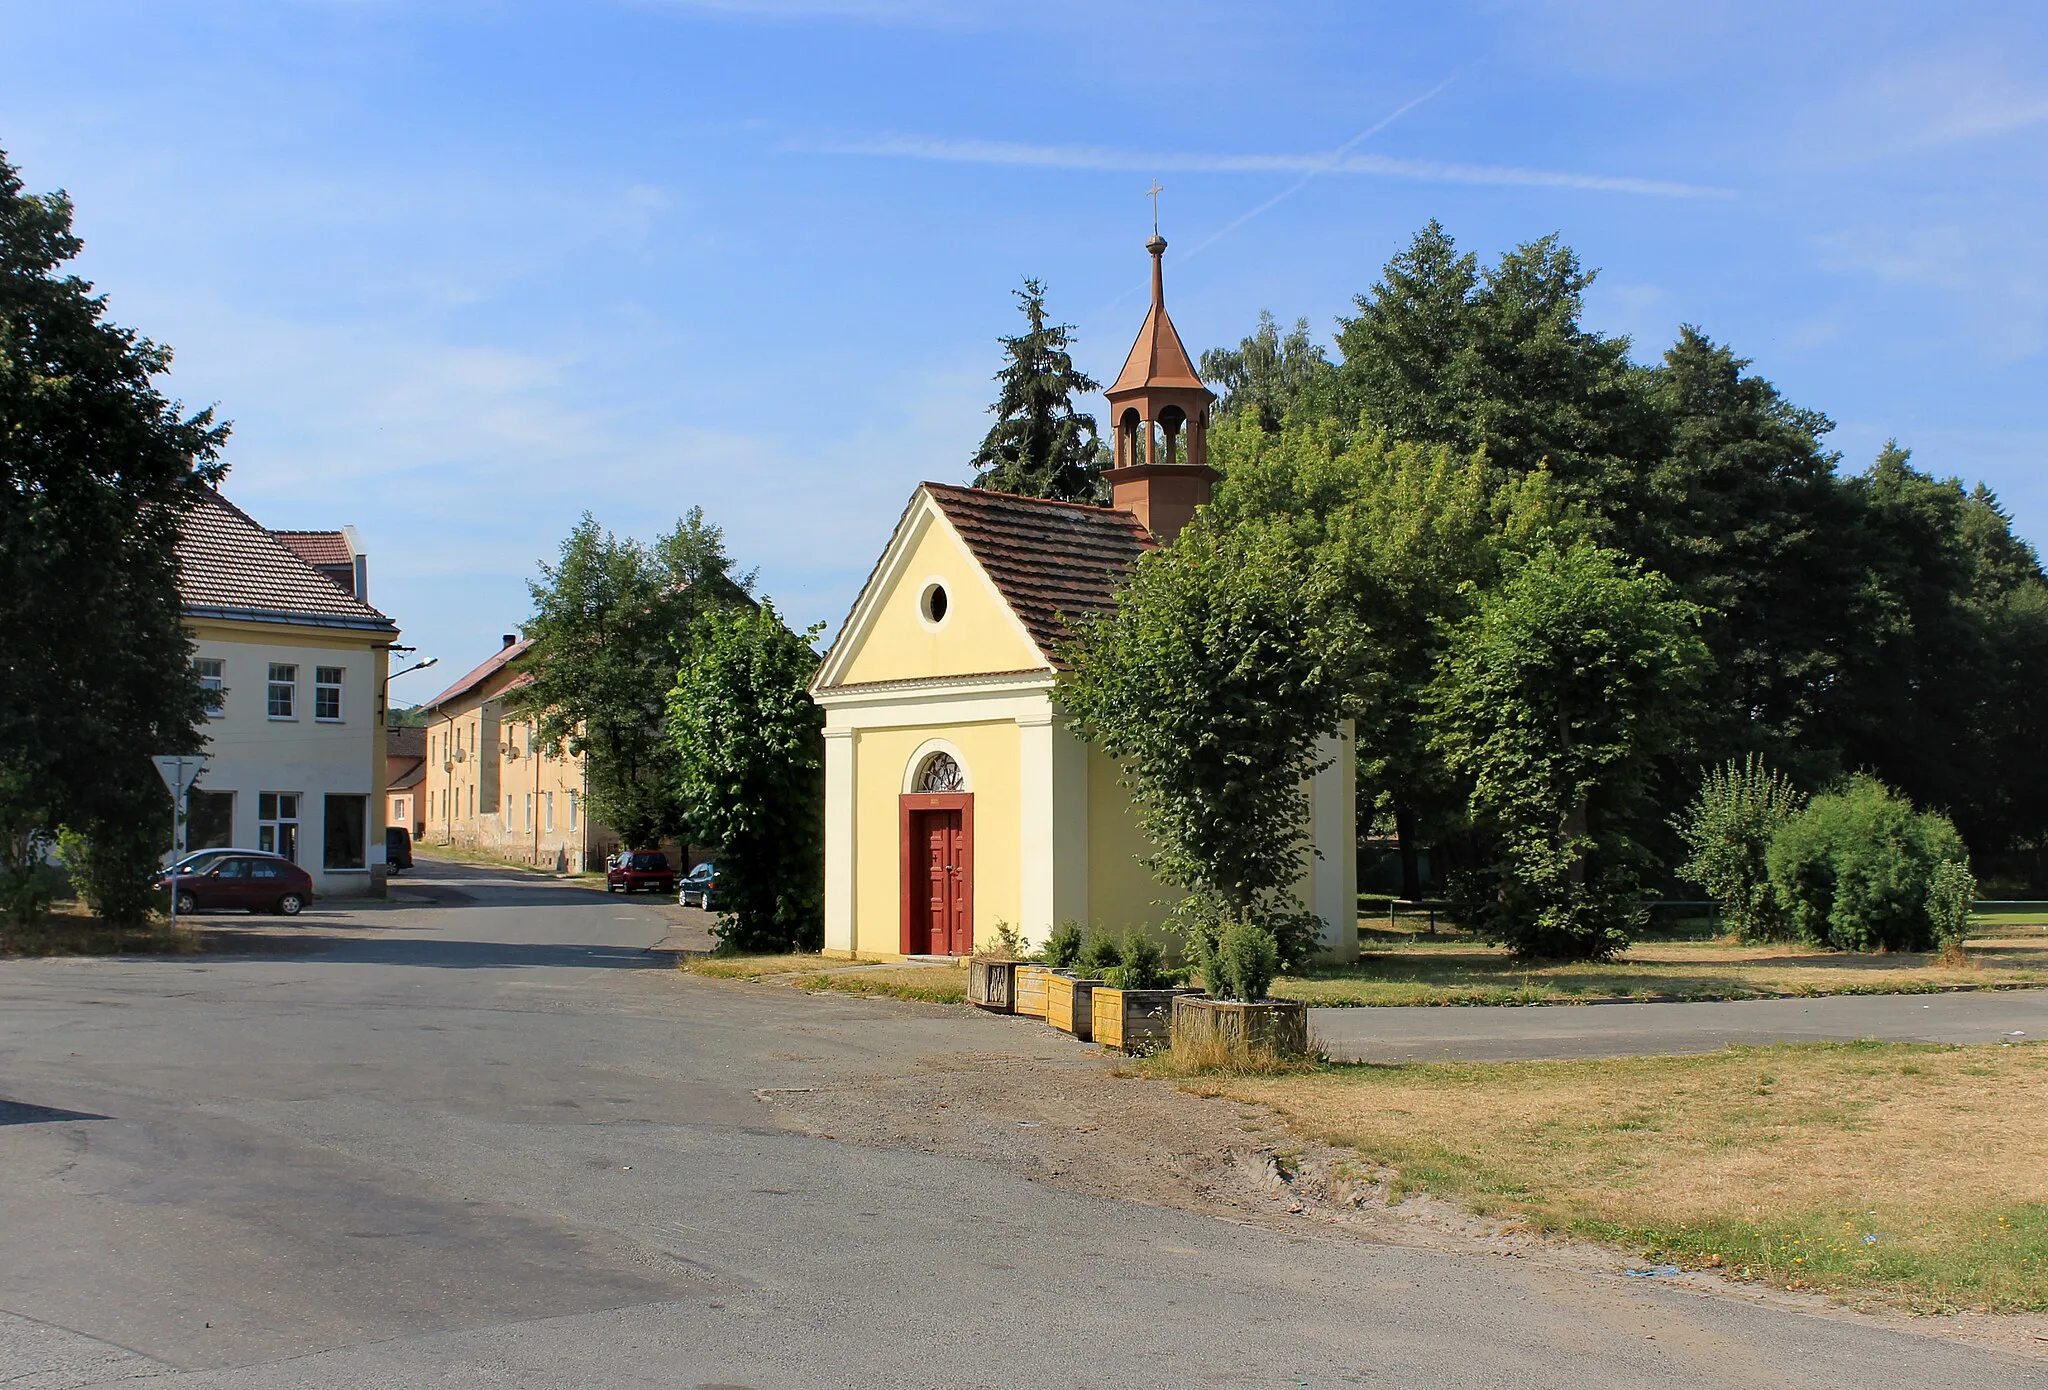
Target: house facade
{"x":490,"y":784}
{"x":297,"y":662}
{"x":957,"y":795}
{"x":405,"y":770}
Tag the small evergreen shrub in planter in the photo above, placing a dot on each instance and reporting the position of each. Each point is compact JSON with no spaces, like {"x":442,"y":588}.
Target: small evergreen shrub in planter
{"x":1241,"y":962}
{"x":1133,"y":1007}
{"x":992,"y":973}
{"x":1062,"y":949}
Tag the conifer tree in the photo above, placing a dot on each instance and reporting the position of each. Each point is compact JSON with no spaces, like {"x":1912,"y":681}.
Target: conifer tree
{"x":1040,"y":445}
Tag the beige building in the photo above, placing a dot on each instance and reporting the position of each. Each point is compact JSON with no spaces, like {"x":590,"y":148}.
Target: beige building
{"x":491,"y":785}
{"x":296,"y":658}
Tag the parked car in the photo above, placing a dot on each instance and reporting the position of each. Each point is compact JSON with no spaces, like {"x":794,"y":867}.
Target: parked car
{"x":700,"y":885}
{"x":640,"y":868}
{"x":251,"y":881}
{"x":397,"y":847}
{"x":200,"y":860}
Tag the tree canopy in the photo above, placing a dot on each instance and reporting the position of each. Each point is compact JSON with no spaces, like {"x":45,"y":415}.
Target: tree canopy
{"x":1040,"y":445}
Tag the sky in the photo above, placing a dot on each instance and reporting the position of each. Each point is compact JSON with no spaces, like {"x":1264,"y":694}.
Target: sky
{"x":460,"y":272}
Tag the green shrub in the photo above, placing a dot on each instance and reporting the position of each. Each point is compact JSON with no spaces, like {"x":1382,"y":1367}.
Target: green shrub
{"x":27,"y":884}
{"x":1246,"y":960}
{"x":112,"y":867}
{"x":1142,"y":964}
{"x":1063,"y":947}
{"x":1854,"y":869}
{"x":1005,"y":942}
{"x":1102,"y":954}
{"x":1950,"y":891}
{"x":1728,"y":829}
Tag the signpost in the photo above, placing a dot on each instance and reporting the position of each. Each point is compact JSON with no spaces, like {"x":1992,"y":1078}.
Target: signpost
{"x":179,"y":771}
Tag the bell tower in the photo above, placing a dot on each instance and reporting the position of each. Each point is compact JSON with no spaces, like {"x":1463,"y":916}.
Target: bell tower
{"x":1160,"y":411}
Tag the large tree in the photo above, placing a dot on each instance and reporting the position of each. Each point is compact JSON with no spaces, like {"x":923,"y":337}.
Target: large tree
{"x":1271,"y":378}
{"x":609,"y":622}
{"x":95,"y":464}
{"x":1557,"y":697}
{"x":1040,"y":445}
{"x":750,"y":753}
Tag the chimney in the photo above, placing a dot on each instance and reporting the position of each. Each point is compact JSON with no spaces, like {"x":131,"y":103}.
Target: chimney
{"x":508,"y":639}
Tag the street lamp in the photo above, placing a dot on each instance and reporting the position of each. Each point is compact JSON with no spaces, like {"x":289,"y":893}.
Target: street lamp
{"x":421,"y":666}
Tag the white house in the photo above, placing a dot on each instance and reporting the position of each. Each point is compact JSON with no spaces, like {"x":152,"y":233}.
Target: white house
{"x":298,"y":657}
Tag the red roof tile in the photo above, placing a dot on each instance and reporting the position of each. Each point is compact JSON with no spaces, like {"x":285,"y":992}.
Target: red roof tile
{"x":317,"y":547}
{"x":1051,"y":561}
{"x":228,"y":566}
{"x":483,"y":672}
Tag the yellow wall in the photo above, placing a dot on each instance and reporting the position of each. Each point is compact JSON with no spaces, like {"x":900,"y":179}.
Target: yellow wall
{"x":1121,"y":891}
{"x":978,"y":636}
{"x":881,"y":757}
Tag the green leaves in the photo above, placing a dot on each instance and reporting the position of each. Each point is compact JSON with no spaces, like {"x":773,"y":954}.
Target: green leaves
{"x":749,"y":752}
{"x":1728,"y":828}
{"x":1856,"y":869}
{"x":1040,"y":446}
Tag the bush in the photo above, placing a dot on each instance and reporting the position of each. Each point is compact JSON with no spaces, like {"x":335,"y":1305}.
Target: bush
{"x":1063,"y":947}
{"x":112,"y":867}
{"x":1728,"y":828}
{"x":1950,"y":892}
{"x":1102,"y":954}
{"x":1143,"y":964}
{"x":26,"y":883}
{"x":1854,"y":869}
{"x":1005,"y":942}
{"x":1246,"y":960}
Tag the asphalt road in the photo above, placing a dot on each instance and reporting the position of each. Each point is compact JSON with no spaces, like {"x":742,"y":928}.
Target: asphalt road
{"x":1617,"y":1030}
{"x":495,"y":1142}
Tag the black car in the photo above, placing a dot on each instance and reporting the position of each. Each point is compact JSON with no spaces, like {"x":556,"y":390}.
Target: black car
{"x":397,"y":847}
{"x":700,"y":885}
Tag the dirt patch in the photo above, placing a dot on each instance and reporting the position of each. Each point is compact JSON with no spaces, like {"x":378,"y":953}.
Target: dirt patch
{"x":1090,"y":1125}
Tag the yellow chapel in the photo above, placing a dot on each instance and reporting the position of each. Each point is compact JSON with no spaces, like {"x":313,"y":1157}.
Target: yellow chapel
{"x":956,"y":796}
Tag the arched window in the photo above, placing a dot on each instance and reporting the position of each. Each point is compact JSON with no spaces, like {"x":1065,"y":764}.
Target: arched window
{"x":940,"y":774}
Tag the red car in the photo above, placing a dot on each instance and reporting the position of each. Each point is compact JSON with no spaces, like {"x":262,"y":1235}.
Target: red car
{"x":253,"y":882}
{"x":638,"y":869}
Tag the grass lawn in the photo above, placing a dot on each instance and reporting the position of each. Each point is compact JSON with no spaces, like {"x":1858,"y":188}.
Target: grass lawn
{"x":1896,"y":1173}
{"x":929,"y":984}
{"x":72,"y":930}
{"x":1419,"y":970}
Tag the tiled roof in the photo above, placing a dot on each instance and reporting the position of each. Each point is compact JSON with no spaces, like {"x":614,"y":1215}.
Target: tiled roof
{"x":317,"y":547}
{"x":228,"y":566}
{"x":1157,"y":358}
{"x":410,"y":778}
{"x":1051,"y":561}
{"x":483,"y":672}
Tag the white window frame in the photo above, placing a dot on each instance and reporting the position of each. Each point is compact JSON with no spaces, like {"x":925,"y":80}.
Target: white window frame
{"x":529,"y":812}
{"x":572,"y":809}
{"x":276,"y":822}
{"x":547,"y":811}
{"x":214,"y":680}
{"x":289,"y":684}
{"x":322,"y":686}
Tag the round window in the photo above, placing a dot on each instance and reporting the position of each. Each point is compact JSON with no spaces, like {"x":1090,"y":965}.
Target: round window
{"x":934,"y":605}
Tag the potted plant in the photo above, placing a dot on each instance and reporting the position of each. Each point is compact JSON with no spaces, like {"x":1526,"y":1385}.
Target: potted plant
{"x":1132,"y":1008}
{"x":1062,"y":949}
{"x":992,"y":974}
{"x":1069,"y":1000}
{"x":1238,"y":963}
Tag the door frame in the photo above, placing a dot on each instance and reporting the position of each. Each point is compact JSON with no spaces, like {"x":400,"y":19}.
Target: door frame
{"x":911,"y":871}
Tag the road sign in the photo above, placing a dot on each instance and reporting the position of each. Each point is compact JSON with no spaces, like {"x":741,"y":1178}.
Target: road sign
{"x":179,"y":771}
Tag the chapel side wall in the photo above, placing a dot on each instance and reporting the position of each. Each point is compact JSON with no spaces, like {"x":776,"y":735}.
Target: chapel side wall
{"x":1121,"y":890}
{"x":989,"y":753}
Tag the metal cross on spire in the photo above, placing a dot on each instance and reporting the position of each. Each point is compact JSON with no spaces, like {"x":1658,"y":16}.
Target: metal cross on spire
{"x":1153,"y":193}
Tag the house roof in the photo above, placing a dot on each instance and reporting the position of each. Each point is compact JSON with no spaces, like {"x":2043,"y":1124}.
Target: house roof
{"x":230,"y":567}
{"x":496,"y":662}
{"x":1051,"y":561}
{"x":410,"y":778}
{"x":1157,"y":358}
{"x":317,"y":547}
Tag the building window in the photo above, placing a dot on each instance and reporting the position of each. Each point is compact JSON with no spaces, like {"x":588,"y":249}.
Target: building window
{"x":529,"y":811}
{"x":277,"y":823}
{"x":508,"y":810}
{"x":548,"y":811}
{"x":940,"y":774}
{"x":572,"y":810}
{"x":472,"y":803}
{"x":345,"y":837}
{"x":327,"y":693}
{"x":209,"y":819}
{"x":284,"y":691}
{"x":213,"y":679}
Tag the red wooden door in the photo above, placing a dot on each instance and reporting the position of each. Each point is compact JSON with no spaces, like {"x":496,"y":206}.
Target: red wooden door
{"x":938,"y":874}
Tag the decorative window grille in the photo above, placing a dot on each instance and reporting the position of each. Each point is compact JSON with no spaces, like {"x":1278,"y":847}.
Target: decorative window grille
{"x":940,"y":774}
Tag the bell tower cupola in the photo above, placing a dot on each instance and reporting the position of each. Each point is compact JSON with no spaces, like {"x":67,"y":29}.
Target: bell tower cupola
{"x":1160,"y":410}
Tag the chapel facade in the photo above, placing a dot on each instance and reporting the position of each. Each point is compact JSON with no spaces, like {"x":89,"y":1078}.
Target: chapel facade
{"x":956,"y":795}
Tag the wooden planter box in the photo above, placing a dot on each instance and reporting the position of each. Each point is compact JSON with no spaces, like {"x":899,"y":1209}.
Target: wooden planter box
{"x":992,"y":983}
{"x":1281,"y":1024}
{"x":1135,"y":1020}
{"x":1068,"y":1005}
{"x":1029,"y":989}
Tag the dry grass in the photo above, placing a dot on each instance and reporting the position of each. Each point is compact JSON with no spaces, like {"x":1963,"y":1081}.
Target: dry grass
{"x":930,"y":984}
{"x":1455,"y":973}
{"x":1185,"y":1059}
{"x":750,"y":967}
{"x":1909,"y":1174}
{"x":71,"y":930}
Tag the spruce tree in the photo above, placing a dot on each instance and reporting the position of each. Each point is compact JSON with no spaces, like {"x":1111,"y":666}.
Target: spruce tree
{"x":1040,"y":445}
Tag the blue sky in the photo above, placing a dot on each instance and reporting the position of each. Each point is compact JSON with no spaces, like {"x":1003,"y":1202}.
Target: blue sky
{"x":459,"y":271}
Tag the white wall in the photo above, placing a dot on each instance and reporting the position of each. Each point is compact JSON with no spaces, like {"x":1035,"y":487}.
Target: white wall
{"x":250,"y":753}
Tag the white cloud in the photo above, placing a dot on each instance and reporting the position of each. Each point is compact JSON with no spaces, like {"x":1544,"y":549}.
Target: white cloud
{"x":1989,"y":277}
{"x":1113,"y":160}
